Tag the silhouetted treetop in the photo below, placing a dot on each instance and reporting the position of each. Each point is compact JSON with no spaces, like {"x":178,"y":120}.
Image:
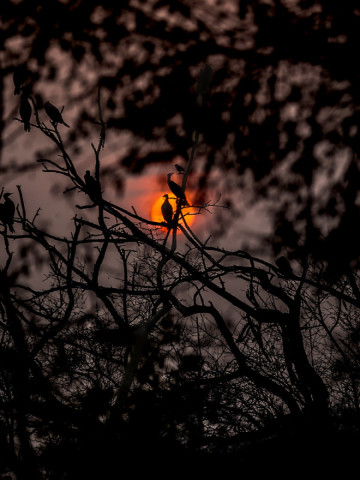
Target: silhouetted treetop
{"x":283,"y":103}
{"x":124,"y":336}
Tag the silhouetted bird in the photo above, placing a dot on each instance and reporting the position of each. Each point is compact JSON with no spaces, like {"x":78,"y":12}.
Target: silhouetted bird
{"x":25,"y":112}
{"x":19,"y":78}
{"x":179,"y":168}
{"x":54,"y":114}
{"x":166,"y":209}
{"x":177,"y":190}
{"x":7,"y":211}
{"x":92,"y":187}
{"x":284,"y":266}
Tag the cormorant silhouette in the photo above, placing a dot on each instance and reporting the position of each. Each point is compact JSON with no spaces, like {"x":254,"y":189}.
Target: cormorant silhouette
{"x":179,"y":168}
{"x":19,"y":78}
{"x":284,"y":266}
{"x":7,"y":211}
{"x":25,"y":112}
{"x":166,"y":209}
{"x":92,"y":187}
{"x":54,"y":114}
{"x":177,"y":191}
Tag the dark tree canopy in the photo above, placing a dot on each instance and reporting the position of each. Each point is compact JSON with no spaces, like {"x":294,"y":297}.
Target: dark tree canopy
{"x":120,"y":342}
{"x":282,"y":118}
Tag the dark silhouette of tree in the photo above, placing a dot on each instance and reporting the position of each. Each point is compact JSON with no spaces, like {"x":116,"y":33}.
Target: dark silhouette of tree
{"x":136,"y":343}
{"x":281,"y":120}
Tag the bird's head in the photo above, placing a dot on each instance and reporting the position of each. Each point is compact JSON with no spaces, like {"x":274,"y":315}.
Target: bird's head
{"x":166,"y":196}
{"x":87,"y":173}
{"x":169,"y":176}
{"x":6,"y":195}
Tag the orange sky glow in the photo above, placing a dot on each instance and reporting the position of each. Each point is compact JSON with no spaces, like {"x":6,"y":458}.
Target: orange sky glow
{"x":156,"y":215}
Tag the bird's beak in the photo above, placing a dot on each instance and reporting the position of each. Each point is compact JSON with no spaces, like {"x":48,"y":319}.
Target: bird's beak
{"x":9,"y":193}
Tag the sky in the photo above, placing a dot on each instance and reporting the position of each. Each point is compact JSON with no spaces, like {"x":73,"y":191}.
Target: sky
{"x":140,"y":190}
{"x":45,"y":190}
{"x":238,"y":229}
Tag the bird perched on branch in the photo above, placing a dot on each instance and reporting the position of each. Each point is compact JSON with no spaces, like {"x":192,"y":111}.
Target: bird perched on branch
{"x":7,"y":211}
{"x":179,"y":168}
{"x":19,"y":78}
{"x":166,"y":209}
{"x":25,"y":112}
{"x":284,"y":266}
{"x":92,"y":187}
{"x":177,"y":191}
{"x":54,"y":114}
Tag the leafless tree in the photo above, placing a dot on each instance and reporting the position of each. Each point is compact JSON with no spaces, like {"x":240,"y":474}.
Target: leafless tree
{"x":133,"y":341}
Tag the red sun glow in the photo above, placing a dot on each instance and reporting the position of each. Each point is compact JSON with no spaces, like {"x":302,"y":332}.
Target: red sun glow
{"x":156,"y":215}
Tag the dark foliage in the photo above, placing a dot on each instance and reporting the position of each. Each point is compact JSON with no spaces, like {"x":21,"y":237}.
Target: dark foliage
{"x":292,"y":106}
{"x":137,"y":354}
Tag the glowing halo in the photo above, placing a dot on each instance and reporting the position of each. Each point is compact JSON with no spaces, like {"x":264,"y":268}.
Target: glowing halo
{"x":156,"y":215}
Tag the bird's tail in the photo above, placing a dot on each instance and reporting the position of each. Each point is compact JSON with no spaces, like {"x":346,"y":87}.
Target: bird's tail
{"x":66,"y":125}
{"x":11,"y":228}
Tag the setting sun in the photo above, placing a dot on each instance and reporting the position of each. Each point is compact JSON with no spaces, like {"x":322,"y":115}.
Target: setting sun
{"x":156,"y":215}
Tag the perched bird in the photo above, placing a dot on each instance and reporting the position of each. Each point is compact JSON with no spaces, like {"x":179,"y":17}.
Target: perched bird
{"x":7,"y":211}
{"x":177,"y":191}
{"x":166,"y":209}
{"x":54,"y":114}
{"x":179,"y":168}
{"x":19,"y":78}
{"x":25,"y":112}
{"x":92,"y":187}
{"x":284,"y":266}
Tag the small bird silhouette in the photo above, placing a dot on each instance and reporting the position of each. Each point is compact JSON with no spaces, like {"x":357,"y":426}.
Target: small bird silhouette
{"x":92,"y":187}
{"x":25,"y":112}
{"x":54,"y":114}
{"x":7,"y":211}
{"x":284,"y":266}
{"x":177,"y":191}
{"x":179,"y":168}
{"x":19,"y":78}
{"x":166,"y":209}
